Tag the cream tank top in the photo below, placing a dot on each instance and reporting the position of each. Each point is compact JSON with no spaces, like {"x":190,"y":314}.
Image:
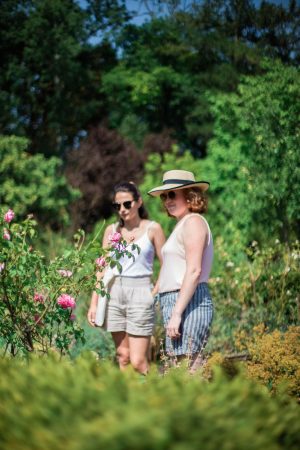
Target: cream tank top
{"x":174,"y":261}
{"x":142,"y":263}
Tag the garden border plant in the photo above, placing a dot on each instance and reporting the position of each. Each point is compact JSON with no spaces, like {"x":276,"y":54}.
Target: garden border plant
{"x":38,"y":298}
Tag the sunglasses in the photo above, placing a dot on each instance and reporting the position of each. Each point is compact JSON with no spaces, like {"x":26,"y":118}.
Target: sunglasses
{"x":127,"y":205}
{"x":171,"y":195}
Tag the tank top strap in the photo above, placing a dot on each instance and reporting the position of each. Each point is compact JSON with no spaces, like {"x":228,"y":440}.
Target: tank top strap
{"x":115,"y":227}
{"x":208,"y":227}
{"x":145,"y":235}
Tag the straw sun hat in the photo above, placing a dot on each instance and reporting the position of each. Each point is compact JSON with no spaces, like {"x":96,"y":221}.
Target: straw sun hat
{"x":178,"y":179}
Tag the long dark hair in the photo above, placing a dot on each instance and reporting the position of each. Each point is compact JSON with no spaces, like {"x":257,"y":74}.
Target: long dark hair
{"x":133,"y":190}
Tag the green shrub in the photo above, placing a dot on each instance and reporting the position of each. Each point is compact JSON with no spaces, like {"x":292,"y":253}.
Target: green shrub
{"x":275,"y":358}
{"x":37,"y":297}
{"x":261,"y":288}
{"x":91,"y":405}
{"x":271,"y":358}
{"x":33,"y":183}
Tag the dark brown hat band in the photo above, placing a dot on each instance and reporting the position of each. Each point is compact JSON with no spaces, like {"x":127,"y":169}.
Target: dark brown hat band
{"x":174,"y":181}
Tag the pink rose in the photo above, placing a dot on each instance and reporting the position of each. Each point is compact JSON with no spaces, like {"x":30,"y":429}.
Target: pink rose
{"x":6,"y":235}
{"x":73,"y":317}
{"x":100,"y":262}
{"x":2,"y":265}
{"x":114,"y":237}
{"x":65,"y":273}
{"x":66,"y":301}
{"x":38,"y":297}
{"x":8,"y":217}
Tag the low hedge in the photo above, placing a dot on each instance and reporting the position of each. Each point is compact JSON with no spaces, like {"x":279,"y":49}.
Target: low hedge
{"x":89,"y":404}
{"x":272,"y":359}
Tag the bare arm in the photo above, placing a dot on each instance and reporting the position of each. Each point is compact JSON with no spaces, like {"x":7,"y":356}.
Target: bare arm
{"x":195,"y":235}
{"x":94,"y":299}
{"x":158,"y":239}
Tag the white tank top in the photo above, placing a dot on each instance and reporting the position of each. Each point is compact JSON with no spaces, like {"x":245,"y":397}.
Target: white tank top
{"x":142,"y":263}
{"x":174,"y":261}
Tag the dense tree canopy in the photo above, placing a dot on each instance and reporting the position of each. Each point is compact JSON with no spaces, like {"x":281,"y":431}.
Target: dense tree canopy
{"x":49,"y":72}
{"x":67,"y":66}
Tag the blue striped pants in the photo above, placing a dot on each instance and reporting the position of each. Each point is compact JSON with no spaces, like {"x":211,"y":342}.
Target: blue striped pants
{"x":195,"y":324}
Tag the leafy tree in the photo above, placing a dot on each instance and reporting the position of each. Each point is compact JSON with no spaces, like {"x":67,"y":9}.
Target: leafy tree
{"x":103,"y":159}
{"x":95,"y":65}
{"x":253,"y":159}
{"x":32,"y":183}
{"x":252,"y":162}
{"x":169,"y":63}
{"x":50,"y":72}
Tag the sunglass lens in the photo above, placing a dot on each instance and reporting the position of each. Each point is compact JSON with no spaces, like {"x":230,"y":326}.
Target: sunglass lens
{"x":170,"y":195}
{"x":116,"y":206}
{"x":127,"y":204}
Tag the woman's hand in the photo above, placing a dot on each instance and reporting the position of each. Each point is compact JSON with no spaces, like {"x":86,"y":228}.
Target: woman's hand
{"x":173,"y":325}
{"x":91,"y":315}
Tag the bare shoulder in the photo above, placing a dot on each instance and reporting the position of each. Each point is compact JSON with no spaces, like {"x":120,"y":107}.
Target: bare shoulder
{"x":195,"y":222}
{"x":156,"y":231}
{"x":108,"y":230}
{"x":156,"y":226}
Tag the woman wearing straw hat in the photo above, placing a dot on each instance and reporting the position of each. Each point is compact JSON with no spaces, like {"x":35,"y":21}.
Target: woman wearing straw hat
{"x":186,"y":264}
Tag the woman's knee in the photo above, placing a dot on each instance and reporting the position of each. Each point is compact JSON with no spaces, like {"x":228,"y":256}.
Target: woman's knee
{"x":123,"y":356}
{"x":139,"y":363}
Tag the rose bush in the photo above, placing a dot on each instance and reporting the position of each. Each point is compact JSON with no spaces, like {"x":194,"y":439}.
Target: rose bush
{"x":38,"y":298}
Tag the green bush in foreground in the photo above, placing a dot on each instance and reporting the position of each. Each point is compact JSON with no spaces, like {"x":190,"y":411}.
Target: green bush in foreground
{"x":90,"y":405}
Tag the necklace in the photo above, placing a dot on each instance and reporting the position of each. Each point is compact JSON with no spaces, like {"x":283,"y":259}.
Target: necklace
{"x":131,"y":235}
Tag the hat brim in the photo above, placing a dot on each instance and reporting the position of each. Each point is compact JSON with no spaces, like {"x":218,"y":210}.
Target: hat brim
{"x":155,"y":192}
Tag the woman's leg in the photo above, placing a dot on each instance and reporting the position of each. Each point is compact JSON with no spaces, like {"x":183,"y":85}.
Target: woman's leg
{"x":138,"y":346}
{"x":196,"y":362}
{"x":121,"y":341}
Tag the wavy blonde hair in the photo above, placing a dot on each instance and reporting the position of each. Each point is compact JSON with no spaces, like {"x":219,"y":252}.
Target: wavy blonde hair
{"x":196,"y":199}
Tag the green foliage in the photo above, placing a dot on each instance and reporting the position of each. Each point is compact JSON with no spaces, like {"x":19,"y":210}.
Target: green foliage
{"x":140,"y":92}
{"x":253,"y":160}
{"x":93,"y":405}
{"x":96,"y":65}
{"x":270,"y":358}
{"x":275,"y":358}
{"x":37,"y":298}
{"x":49,"y":87}
{"x":261,"y":288}
{"x":33,"y":184}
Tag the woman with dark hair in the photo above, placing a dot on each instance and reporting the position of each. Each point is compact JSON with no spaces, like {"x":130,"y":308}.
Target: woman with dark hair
{"x":130,"y":310}
{"x":187,"y":259}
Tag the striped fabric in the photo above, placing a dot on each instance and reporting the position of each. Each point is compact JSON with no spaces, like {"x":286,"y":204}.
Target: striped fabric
{"x":196,"y":321}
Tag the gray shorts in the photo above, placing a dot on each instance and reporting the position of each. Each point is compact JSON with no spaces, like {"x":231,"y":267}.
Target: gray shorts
{"x":130,"y":307}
